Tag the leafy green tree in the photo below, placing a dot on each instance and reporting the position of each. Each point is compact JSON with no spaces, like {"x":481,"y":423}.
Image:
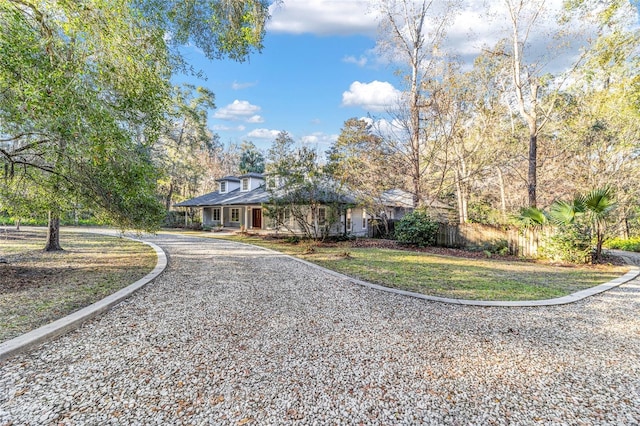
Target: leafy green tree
{"x":362,"y":164}
{"x":221,"y":28}
{"x":80,"y":106}
{"x":251,"y":159}
{"x":304,"y":199}
{"x":184,"y":140}
{"x":84,"y":92}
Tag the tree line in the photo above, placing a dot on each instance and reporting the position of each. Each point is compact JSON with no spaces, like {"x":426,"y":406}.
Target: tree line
{"x":88,"y":116}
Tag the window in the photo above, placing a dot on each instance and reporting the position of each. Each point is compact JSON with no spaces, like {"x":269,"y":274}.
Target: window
{"x":322,"y":216}
{"x":364,"y":219}
{"x":245,"y":184}
{"x":223,"y":187}
{"x":235,"y":215}
{"x":348,"y":220}
{"x":216,"y":215}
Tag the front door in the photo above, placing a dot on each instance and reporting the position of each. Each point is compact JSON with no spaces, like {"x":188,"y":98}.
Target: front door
{"x":256,"y":218}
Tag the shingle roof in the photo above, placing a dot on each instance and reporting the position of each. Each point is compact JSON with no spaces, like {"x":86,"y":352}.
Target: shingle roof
{"x":229,"y":178}
{"x":253,"y":175}
{"x":210,"y":199}
{"x":232,"y":198}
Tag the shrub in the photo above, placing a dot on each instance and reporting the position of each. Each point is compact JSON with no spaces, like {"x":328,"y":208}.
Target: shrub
{"x":630,"y":244}
{"x":499,"y":246}
{"x":570,"y":243}
{"x":293,"y":239}
{"x":416,"y":228}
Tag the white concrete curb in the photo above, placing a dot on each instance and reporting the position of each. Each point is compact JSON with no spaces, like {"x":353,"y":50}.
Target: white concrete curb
{"x":574,"y":297}
{"x":74,"y":320}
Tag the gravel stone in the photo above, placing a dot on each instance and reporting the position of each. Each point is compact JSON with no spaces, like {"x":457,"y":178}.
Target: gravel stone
{"x":234,"y":334}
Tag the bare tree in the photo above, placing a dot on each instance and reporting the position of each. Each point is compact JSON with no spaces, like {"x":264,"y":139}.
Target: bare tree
{"x":412,"y":33}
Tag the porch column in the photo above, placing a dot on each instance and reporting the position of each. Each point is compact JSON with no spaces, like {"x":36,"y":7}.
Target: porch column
{"x":222,"y":216}
{"x":246,"y":218}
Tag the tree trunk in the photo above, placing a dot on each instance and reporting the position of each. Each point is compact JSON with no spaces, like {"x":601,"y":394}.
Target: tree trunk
{"x":533,"y":169}
{"x":167,"y":203}
{"x":599,"y":242}
{"x":462,"y":201}
{"x":53,"y":233}
{"x":503,"y":197}
{"x":17,"y":224}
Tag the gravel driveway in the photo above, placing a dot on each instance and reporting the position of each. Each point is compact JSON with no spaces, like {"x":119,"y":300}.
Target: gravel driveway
{"x":233,"y":334}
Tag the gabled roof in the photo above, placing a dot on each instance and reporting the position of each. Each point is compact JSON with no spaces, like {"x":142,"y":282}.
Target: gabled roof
{"x":210,"y":199}
{"x":257,"y":196}
{"x":229,"y":178}
{"x":231,"y":198}
{"x":252,"y":175}
{"x":396,"y":198}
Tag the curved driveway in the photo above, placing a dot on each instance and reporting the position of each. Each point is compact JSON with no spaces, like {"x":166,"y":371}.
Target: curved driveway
{"x":233,"y":334}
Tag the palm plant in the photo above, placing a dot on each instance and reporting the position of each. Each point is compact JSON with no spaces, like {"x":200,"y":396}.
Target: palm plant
{"x":531,"y":217}
{"x":594,"y":207}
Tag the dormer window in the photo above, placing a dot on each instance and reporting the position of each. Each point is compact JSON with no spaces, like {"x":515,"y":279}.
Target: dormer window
{"x":223,"y":187}
{"x":245,"y":184}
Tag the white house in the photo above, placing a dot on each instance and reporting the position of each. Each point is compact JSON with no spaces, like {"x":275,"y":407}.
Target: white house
{"x":240,"y":203}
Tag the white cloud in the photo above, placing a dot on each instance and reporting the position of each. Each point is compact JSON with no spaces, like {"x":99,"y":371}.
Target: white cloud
{"x":263,"y":134}
{"x":375,"y":96}
{"x":323,"y":17}
{"x":239,"y":86}
{"x":237,"y":110}
{"x":255,"y":119}
{"x":223,"y":128}
{"x":319,"y":138}
{"x":360,"y":61}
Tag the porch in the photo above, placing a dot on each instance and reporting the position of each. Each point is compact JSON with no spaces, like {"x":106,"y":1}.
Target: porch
{"x":247,"y":217}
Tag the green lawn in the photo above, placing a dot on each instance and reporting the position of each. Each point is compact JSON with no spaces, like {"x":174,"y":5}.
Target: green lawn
{"x":445,"y":276}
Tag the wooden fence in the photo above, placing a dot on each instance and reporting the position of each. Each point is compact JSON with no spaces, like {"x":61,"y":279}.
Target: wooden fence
{"x":521,"y":242}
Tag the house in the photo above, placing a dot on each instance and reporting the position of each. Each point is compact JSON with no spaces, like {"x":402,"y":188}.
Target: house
{"x":241,"y":202}
{"x":397,"y":203}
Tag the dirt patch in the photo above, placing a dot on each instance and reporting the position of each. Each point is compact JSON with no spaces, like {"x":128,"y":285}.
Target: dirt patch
{"x":37,"y":287}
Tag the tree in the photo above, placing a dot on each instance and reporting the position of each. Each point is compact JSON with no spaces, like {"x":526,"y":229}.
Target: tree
{"x":84,"y":91}
{"x":359,"y":161}
{"x":221,"y":28}
{"x":412,"y":33}
{"x":251,"y":159}
{"x":184,"y":140}
{"x":80,"y":105}
{"x":303,"y":197}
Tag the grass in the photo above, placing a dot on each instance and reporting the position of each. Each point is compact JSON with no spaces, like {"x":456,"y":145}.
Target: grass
{"x":37,"y":287}
{"x":448,"y":276}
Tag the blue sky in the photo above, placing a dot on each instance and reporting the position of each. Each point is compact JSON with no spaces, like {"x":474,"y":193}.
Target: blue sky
{"x":318,"y":68}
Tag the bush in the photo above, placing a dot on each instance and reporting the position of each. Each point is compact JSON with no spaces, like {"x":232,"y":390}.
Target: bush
{"x":570,"y":243}
{"x":500,"y":247}
{"x":293,"y":239}
{"x":416,"y":228}
{"x":630,"y":244}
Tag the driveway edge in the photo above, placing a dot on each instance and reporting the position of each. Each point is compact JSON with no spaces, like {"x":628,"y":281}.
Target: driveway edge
{"x":634,"y":271}
{"x":74,"y":320}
